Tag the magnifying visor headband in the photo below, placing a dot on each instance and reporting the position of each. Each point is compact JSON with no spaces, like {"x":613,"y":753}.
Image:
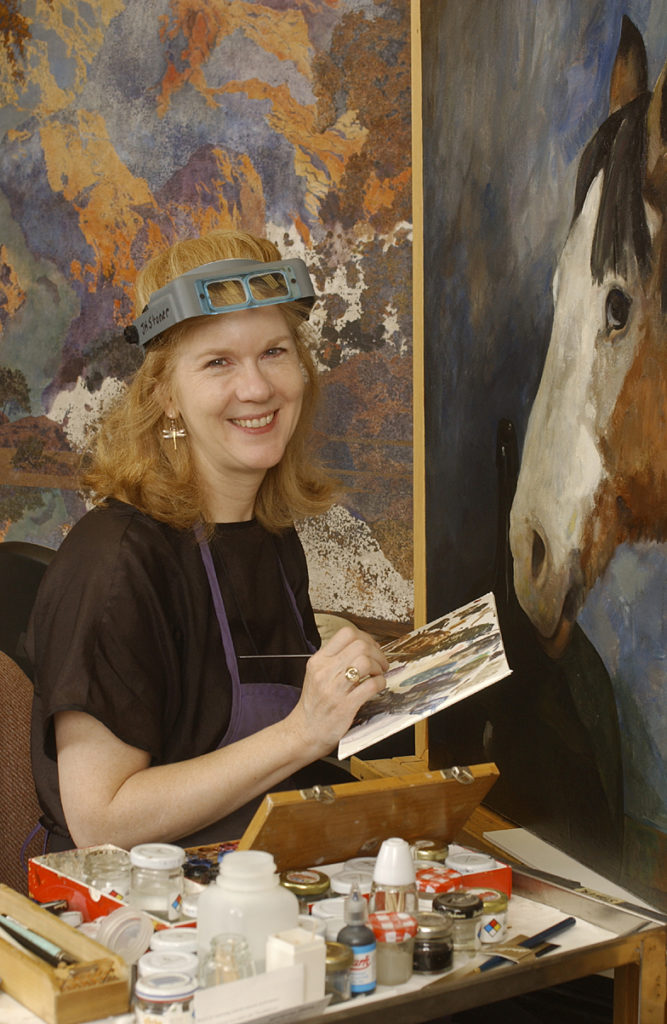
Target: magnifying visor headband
{"x":222,"y":287}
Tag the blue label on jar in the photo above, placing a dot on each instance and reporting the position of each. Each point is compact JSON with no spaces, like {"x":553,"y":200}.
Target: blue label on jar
{"x":363,"y":972}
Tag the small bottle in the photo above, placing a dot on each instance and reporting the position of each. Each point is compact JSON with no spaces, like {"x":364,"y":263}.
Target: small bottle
{"x":361,"y":939}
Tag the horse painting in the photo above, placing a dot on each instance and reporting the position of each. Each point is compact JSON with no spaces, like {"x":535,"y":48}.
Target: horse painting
{"x":594,"y":465}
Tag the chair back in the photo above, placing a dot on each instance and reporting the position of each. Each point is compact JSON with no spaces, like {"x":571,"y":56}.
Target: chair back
{"x":22,"y":565}
{"x":19,"y":808}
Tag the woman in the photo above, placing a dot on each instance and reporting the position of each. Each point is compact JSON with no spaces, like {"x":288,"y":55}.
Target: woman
{"x":158,"y":710}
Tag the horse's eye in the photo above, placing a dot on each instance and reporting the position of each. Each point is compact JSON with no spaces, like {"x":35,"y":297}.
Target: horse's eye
{"x":618,"y":310}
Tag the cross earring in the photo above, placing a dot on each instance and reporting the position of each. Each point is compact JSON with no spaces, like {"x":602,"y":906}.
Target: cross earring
{"x":172,"y":431}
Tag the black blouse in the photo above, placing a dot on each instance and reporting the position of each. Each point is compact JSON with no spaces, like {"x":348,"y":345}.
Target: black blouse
{"x":124,"y":629}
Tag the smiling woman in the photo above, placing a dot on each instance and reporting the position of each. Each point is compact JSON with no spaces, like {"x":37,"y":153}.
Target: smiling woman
{"x":159,"y":713}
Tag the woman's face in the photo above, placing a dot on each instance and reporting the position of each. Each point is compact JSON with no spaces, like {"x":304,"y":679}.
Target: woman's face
{"x":238,"y":386}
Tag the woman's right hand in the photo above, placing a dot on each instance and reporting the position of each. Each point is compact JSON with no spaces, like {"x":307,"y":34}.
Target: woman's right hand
{"x":330,"y":699}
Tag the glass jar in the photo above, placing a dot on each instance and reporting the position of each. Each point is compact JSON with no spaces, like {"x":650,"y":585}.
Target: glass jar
{"x":337,"y":981}
{"x":429,"y":850}
{"x":229,"y":959}
{"x":164,"y":997}
{"x":107,"y":869}
{"x":308,"y":886}
{"x":157,"y":879}
{"x":493,"y":921}
{"x":433,"y":943}
{"x":464,"y":910}
{"x":395,"y":937}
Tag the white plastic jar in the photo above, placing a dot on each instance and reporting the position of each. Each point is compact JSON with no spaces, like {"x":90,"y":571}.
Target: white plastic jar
{"x":246,"y":898}
{"x":157,"y":879}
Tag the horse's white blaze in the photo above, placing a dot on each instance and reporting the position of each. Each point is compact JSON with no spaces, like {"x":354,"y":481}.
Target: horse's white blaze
{"x":561,"y":468}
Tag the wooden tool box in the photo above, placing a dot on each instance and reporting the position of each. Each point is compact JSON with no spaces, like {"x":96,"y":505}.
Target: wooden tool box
{"x":98,"y":985}
{"x":302,"y":828}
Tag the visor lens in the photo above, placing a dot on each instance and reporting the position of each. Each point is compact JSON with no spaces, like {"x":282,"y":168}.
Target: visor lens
{"x":268,"y":286}
{"x":241,"y":291}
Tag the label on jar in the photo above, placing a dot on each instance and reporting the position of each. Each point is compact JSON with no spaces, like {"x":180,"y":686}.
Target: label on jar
{"x":491,"y":927}
{"x":363,"y":971}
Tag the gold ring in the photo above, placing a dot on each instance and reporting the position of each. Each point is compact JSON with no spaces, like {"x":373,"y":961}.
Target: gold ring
{"x":352,"y":675}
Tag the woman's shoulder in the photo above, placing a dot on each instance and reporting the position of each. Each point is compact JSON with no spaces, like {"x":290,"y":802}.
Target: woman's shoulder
{"x":116,"y":530}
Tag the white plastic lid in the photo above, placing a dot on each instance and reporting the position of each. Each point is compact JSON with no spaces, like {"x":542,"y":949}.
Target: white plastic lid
{"x":394,"y":864}
{"x":165,"y":987}
{"x":469,"y":861}
{"x":174,"y":940}
{"x":159,"y":856}
{"x":248,"y":869}
{"x":174,"y":962}
{"x":126,"y":931}
{"x":342,"y":882}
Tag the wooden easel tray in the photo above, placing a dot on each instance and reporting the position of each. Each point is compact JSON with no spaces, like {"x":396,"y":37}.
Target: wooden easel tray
{"x":302,"y":828}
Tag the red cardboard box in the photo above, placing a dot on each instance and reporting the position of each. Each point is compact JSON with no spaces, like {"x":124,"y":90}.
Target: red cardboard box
{"x":60,"y":876}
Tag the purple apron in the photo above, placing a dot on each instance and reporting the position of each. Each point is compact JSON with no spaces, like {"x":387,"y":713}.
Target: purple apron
{"x":254,"y":705}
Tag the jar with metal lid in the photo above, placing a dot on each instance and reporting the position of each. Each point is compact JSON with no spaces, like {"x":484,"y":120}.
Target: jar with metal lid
{"x":464,"y":910}
{"x":337,"y":981}
{"x":157,"y":879}
{"x":308,"y":886}
{"x":395,"y":938}
{"x":107,"y":869}
{"x":493,"y":921}
{"x":164,"y":997}
{"x":433,"y":943}
{"x":429,"y":850}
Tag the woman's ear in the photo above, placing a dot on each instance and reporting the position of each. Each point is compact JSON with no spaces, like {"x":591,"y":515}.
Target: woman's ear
{"x":166,"y":400}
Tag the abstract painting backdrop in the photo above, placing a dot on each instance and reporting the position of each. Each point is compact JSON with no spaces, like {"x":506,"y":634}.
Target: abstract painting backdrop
{"x":513,"y":91}
{"x":124,"y":126}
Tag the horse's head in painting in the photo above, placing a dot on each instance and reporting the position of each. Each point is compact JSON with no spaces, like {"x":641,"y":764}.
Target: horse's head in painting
{"x":594,"y":465}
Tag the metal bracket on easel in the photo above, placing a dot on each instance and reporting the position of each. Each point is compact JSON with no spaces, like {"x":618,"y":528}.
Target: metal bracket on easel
{"x":324,"y":794}
{"x":461,"y":774}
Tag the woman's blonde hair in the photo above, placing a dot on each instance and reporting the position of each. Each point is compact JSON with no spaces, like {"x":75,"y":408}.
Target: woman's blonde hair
{"x":130,"y":460}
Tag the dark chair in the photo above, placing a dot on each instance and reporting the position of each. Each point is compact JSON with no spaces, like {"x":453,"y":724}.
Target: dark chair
{"x":22,"y":566}
{"x":19,"y":809}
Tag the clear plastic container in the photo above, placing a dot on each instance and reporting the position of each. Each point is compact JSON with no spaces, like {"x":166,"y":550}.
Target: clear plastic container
{"x":164,"y":996}
{"x":157,"y":879}
{"x":127,"y":931}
